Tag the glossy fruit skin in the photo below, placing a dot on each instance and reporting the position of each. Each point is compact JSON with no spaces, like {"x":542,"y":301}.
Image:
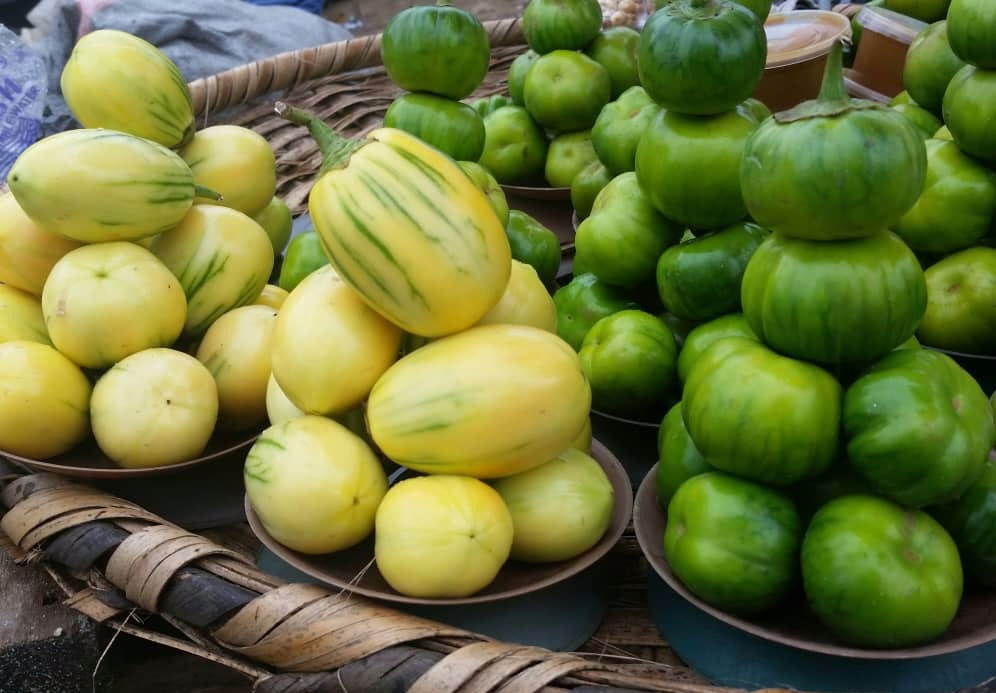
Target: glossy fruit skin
{"x":304,"y":255}
{"x":450,"y":126}
{"x":810,"y":178}
{"x":700,"y":279}
{"x":489,"y":186}
{"x":918,"y":427}
{"x":924,"y":10}
{"x":436,"y":48}
{"x":971,"y":24}
{"x":629,"y":360}
{"x":961,"y":302}
{"x":733,"y":543}
{"x":488,"y":402}
{"x":624,"y":235}
{"x":878,"y":297}
{"x":27,"y":251}
{"x":930,"y":65}
{"x":615,"y":48}
{"x":690,"y":167}
{"x":970,"y":111}
{"x":701,"y":58}
{"x":678,"y":458}
{"x":526,"y":301}
{"x":878,"y":575}
{"x":584,"y":301}
{"x":957,"y":205}
{"x":701,"y":337}
{"x":21,"y":317}
{"x":533,"y":244}
{"x":924,"y":121}
{"x":619,"y":126}
{"x":549,"y":25}
{"x":490,"y":104}
{"x":971,"y":520}
{"x":568,"y":155}
{"x":514,"y":146}
{"x":565,"y":90}
{"x":760,"y":415}
{"x":118,"y":81}
{"x":237,"y":163}
{"x":586,"y":186}
{"x":517,"y":75}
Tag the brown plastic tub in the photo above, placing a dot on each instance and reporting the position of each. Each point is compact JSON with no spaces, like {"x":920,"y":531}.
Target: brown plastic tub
{"x":878,"y":64}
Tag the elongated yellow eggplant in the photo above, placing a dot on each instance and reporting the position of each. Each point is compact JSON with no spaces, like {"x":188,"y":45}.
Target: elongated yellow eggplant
{"x":100,"y":185}
{"x":121,"y":82}
{"x":407,"y":229}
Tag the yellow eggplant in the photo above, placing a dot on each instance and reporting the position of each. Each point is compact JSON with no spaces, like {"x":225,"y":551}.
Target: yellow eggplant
{"x":27,"y":251}
{"x":407,"y":229}
{"x":118,"y":81}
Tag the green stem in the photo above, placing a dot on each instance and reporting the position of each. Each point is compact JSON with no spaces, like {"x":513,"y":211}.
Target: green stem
{"x":833,"y":88}
{"x":335,"y":148}
{"x":202,"y":191}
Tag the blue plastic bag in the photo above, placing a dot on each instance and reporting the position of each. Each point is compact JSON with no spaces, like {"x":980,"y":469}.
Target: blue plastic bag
{"x":23,"y":89}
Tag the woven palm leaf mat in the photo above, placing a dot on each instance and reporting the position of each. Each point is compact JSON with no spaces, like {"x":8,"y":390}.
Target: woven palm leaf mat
{"x":120,"y":565}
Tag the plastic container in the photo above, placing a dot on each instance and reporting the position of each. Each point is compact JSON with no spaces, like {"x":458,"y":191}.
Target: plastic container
{"x":798,"y":45}
{"x":878,"y":64}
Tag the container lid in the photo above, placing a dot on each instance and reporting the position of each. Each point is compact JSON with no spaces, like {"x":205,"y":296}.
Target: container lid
{"x":795,"y":37}
{"x":895,"y":25}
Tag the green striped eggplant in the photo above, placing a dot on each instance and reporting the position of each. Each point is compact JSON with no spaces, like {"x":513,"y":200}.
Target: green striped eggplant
{"x":100,"y":185}
{"x":407,"y":229}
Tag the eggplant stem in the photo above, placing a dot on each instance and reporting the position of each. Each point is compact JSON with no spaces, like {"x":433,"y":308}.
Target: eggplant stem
{"x":203,"y":191}
{"x":833,"y":87}
{"x":335,"y":148}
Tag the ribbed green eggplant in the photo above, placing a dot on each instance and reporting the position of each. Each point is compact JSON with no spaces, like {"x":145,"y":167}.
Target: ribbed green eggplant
{"x":930,"y":65}
{"x":838,"y":303}
{"x":971,"y":520}
{"x":452,"y":127}
{"x":619,"y":126}
{"x":549,"y":25}
{"x":971,"y":25}
{"x":678,"y":458}
{"x":701,"y":337}
{"x":970,"y":111}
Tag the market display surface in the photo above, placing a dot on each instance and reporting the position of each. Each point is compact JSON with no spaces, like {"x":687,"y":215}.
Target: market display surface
{"x":439,"y":400}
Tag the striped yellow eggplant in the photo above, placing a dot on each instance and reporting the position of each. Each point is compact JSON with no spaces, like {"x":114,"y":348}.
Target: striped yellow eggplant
{"x":121,"y":82}
{"x":407,"y":229}
{"x":101,"y":185}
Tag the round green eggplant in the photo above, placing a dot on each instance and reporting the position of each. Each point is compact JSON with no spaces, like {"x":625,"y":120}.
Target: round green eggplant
{"x":700,"y":279}
{"x":930,"y":65}
{"x":619,"y":126}
{"x":549,"y":25}
{"x":440,"y":49}
{"x":970,"y":112}
{"x":565,"y":91}
{"x":615,"y":49}
{"x":834,"y":302}
{"x":450,"y":126}
{"x":957,"y":205}
{"x":568,"y":155}
{"x":586,"y":186}
{"x":584,"y":301}
{"x":514,"y":146}
{"x":629,"y":360}
{"x":303,"y":256}
{"x":517,"y":75}
{"x":971,"y":521}
{"x":533,"y":244}
{"x":701,"y":337}
{"x":490,"y":104}
{"x":922,"y":119}
{"x":701,"y":57}
{"x":760,"y":415}
{"x":762,"y":8}
{"x":489,"y":186}
{"x":924,"y":10}
{"x":834,"y":167}
{"x":961,"y":302}
{"x":678,"y":458}
{"x":971,"y":28}
{"x":733,"y":543}
{"x":880,"y":576}
{"x":918,"y":427}
{"x":624,"y":235}
{"x":690,"y":167}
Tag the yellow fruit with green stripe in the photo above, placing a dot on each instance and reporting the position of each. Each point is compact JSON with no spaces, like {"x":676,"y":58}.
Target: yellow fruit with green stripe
{"x":525,"y":302}
{"x":222,"y":259}
{"x":21,"y":317}
{"x":407,"y":229}
{"x":27,"y":251}
{"x":235,"y":162}
{"x":490,"y":401}
{"x":97,"y":186}
{"x":118,"y":81}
